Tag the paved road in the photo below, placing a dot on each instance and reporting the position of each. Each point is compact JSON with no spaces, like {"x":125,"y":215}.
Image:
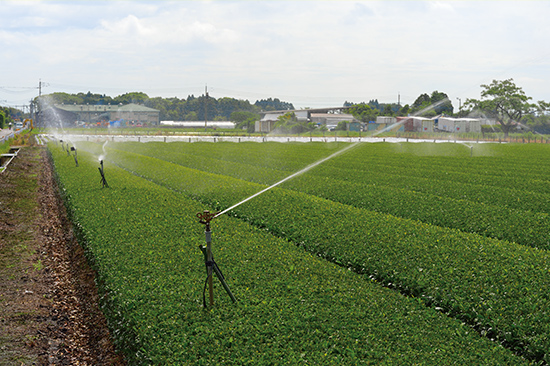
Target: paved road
{"x":5,"y":132}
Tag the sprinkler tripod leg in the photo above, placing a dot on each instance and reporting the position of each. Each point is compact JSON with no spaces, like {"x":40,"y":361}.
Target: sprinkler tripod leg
{"x":209,"y":262}
{"x":220,"y":276}
{"x":211,"y":265}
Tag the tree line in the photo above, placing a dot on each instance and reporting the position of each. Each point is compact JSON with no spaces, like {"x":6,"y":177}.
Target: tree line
{"x":191,"y":108}
{"x":502,"y":101}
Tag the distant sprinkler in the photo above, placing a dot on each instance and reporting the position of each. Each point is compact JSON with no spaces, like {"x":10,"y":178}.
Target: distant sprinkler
{"x":75,"y":159}
{"x":211,"y":266}
{"x":68,"y":150}
{"x":103,"y":181}
{"x":62,"y":146}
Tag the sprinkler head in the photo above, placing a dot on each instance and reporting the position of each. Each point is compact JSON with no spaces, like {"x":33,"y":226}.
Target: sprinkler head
{"x":206,"y":216}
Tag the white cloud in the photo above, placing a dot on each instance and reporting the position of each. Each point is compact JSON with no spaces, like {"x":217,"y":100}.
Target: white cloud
{"x":354,"y":50}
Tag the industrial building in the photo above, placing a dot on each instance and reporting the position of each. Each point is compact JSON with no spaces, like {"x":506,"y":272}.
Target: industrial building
{"x":448,"y":124}
{"x":320,"y":116}
{"x":129,"y":114}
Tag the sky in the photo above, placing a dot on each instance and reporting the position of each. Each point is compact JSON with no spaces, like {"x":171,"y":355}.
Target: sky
{"x":312,"y":54}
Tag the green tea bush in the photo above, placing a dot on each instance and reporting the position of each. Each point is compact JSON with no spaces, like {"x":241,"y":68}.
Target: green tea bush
{"x":293,"y":307}
{"x":498,"y":286}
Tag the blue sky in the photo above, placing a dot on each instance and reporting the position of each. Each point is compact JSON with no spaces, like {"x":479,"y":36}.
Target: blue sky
{"x":309,"y":53}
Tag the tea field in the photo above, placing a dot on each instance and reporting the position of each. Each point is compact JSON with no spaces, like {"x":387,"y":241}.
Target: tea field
{"x":385,"y":254}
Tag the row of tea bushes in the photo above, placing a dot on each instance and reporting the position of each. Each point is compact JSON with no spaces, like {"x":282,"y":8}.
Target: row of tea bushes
{"x":523,"y":227}
{"x":498,"y":286}
{"x":491,"y":195}
{"x":498,"y":181}
{"x":292,"y":307}
{"x":513,"y":167}
{"x":380,"y":192}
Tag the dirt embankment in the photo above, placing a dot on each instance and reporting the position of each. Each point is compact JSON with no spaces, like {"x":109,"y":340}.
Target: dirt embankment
{"x":49,"y":312}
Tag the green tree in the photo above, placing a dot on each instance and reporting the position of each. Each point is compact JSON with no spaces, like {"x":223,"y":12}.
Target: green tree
{"x":432,"y":105}
{"x":2,"y":119}
{"x":273,"y":105}
{"x":342,"y":126}
{"x":388,"y":110}
{"x":191,"y":116}
{"x":422,"y":100}
{"x":506,"y":102}
{"x":404,"y":111}
{"x":289,"y":123}
{"x":248,"y":123}
{"x":244,"y":119}
{"x":133,"y":97}
{"x":363,"y":112}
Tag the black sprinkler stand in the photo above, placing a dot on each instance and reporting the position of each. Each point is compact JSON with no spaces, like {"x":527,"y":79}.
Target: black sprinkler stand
{"x":211,"y":266}
{"x":103,"y":180}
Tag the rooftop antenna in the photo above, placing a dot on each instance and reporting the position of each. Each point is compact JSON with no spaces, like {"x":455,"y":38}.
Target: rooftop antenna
{"x":211,"y":266}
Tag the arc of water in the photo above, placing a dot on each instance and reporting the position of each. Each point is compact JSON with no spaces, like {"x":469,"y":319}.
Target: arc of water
{"x":288,"y":178}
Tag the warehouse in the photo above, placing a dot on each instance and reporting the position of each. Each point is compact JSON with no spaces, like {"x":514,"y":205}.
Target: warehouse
{"x":130,"y":114}
{"x":448,"y":124}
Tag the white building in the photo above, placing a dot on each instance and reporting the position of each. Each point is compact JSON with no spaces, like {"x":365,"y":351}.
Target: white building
{"x":458,"y":125}
{"x":325,"y":116}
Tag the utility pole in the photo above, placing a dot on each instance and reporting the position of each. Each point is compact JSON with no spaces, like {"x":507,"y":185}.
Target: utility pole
{"x":38,"y":114}
{"x":398,"y":99}
{"x":205,"y":107}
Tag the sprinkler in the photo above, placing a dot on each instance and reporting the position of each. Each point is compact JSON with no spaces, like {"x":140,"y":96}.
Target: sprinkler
{"x":75,"y":159}
{"x":62,"y":146}
{"x":211,"y":266}
{"x":103,"y":181}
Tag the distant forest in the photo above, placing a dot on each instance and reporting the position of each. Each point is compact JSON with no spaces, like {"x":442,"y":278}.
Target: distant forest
{"x":175,"y":109}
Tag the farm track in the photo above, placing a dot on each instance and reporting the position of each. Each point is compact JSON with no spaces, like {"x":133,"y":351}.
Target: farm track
{"x":48,"y":301}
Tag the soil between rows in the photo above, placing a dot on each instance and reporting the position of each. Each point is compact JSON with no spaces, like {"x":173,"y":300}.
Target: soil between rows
{"x":49,"y":313}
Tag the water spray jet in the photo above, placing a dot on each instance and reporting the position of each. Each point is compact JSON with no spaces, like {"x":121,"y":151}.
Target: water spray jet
{"x":206,"y":217}
{"x":311,"y":166}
